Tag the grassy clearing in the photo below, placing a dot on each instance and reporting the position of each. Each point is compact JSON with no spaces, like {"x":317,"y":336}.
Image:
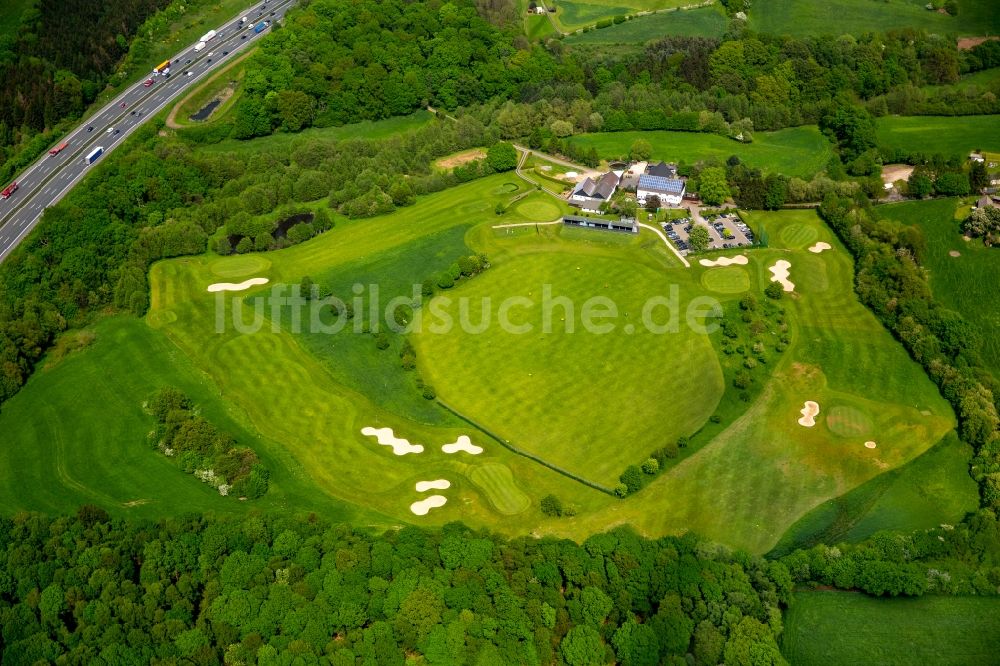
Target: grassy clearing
{"x":958,"y":135}
{"x":10,"y":18}
{"x":797,"y":151}
{"x":933,"y":489}
{"x":378,"y":129}
{"x":558,"y":389}
{"x":851,"y":628}
{"x":964,"y":283}
{"x":987,"y":79}
{"x":763,"y":471}
{"x":855,"y":17}
{"x":575,"y":14}
{"x":225,"y":83}
{"x":704,"y":22}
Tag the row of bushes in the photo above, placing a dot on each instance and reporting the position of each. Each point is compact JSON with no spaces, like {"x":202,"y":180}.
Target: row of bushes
{"x":202,"y":449}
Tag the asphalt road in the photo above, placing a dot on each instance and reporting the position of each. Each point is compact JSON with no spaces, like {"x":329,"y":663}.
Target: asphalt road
{"x":49,"y":179}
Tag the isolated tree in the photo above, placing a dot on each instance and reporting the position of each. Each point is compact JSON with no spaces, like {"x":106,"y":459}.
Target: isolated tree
{"x":551,"y":506}
{"x":712,"y":186}
{"x":978,"y":177}
{"x":653,"y":203}
{"x":774,"y":291}
{"x":640,"y":150}
{"x":698,"y":238}
{"x":501,"y":156}
{"x":561,"y":128}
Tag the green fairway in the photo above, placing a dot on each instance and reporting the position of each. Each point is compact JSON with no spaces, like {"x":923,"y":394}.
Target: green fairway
{"x":368,"y":129}
{"x":964,"y":283}
{"x":935,"y":488}
{"x":797,"y":151}
{"x":854,"y":17}
{"x":558,"y":389}
{"x":850,"y":628}
{"x":762,"y":473}
{"x":77,"y":434}
{"x":958,"y":135}
{"x":703,"y":22}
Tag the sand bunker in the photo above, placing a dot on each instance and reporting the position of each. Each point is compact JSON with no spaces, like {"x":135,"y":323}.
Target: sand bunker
{"x":437,"y":484}
{"x":236,"y":286}
{"x":463,"y":444}
{"x":819,"y":247}
{"x":954,"y":253}
{"x":423,"y":506}
{"x":725,"y":261}
{"x":809,"y":411}
{"x":779,"y":274}
{"x":870,"y":444}
{"x":399,"y":446}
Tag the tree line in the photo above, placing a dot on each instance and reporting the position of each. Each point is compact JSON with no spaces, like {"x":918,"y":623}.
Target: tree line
{"x":278,"y":589}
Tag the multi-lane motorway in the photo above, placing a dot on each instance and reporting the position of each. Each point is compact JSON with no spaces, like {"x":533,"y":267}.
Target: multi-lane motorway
{"x":49,"y":179}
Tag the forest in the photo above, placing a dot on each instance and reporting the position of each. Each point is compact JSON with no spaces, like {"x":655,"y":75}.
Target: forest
{"x":283,"y":590}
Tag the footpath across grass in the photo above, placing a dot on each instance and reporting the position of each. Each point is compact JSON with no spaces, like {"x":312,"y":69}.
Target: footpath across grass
{"x":951,"y":135}
{"x":823,"y":628}
{"x":702,"y":22}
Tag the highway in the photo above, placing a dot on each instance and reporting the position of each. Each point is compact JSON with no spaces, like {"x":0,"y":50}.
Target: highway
{"x":50,"y":177}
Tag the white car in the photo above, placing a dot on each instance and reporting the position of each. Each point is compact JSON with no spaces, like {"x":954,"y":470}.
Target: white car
{"x":190,"y":73}
{"x":111,"y":130}
{"x":210,"y":54}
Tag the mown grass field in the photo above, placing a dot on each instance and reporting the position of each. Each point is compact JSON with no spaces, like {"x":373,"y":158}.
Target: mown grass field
{"x":958,"y":135}
{"x":575,"y":14}
{"x":851,"y":628}
{"x":797,"y":151}
{"x":935,"y":488}
{"x":855,"y":17}
{"x":317,"y":409}
{"x":964,"y":283}
{"x":764,"y":471}
{"x":703,"y":22}
{"x":226,"y":82}
{"x":591,"y":399}
{"x":987,"y":79}
{"x":368,"y":129}
{"x":77,"y":434}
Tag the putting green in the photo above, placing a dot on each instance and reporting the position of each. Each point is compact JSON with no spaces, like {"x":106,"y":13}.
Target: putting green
{"x":240,"y":266}
{"x":496,"y":481}
{"x":590,"y":399}
{"x":537,"y":210}
{"x":847,"y":421}
{"x":797,"y":236}
{"x":727,"y":280}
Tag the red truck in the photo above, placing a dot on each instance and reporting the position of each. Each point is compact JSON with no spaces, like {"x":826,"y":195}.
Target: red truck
{"x":58,"y":149}
{"x":9,"y":190}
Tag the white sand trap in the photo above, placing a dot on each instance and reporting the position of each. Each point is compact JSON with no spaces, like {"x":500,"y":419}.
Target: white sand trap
{"x":819,"y":247}
{"x":870,"y":444}
{"x":809,"y":411}
{"x":423,"y":506}
{"x":437,"y":484}
{"x":399,"y":446}
{"x":463,"y":444}
{"x":236,"y":286}
{"x":725,"y":261}
{"x":779,"y":274}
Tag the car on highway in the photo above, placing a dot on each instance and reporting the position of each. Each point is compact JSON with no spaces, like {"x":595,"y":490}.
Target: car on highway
{"x":90,"y":129}
{"x":123,"y":105}
{"x":147,"y":82}
{"x":117,"y":131}
{"x":190,"y":73}
{"x":110,"y":130}
{"x":209,"y":61}
{"x":225,"y":53}
{"x":243,"y":37}
{"x":211,"y":53}
{"x":188,"y":61}
{"x":133,"y":112}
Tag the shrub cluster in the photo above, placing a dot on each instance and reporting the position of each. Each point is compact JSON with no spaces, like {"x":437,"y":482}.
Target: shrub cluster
{"x":202,"y":449}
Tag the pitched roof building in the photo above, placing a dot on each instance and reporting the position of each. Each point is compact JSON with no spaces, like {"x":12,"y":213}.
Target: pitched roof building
{"x":669,"y":190}
{"x":590,"y":193}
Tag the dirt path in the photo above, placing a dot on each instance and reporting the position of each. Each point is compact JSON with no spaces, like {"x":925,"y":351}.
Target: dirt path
{"x":171,"y":120}
{"x":969,"y":42}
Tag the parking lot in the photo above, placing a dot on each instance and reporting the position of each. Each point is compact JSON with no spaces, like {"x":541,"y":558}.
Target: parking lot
{"x":724,"y":232}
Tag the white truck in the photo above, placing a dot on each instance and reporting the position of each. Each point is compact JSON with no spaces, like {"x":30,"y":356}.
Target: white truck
{"x":207,"y":36}
{"x":199,"y":46}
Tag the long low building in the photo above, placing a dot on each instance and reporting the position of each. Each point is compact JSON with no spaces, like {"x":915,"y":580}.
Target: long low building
{"x":624,"y":224}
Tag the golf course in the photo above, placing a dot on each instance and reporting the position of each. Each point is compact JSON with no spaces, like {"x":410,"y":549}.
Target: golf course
{"x":549,"y":364}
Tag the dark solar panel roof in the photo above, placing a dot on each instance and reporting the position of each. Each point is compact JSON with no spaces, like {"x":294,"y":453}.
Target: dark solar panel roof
{"x":661,"y":184}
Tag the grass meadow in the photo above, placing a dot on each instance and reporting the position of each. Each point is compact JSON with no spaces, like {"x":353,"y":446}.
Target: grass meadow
{"x":951,"y":135}
{"x":851,"y":628}
{"x":10,"y":18}
{"x":368,"y":129}
{"x":703,"y":22}
{"x":964,"y":283}
{"x":575,"y":14}
{"x":229,"y":76}
{"x":797,"y":151}
{"x":855,"y":17}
